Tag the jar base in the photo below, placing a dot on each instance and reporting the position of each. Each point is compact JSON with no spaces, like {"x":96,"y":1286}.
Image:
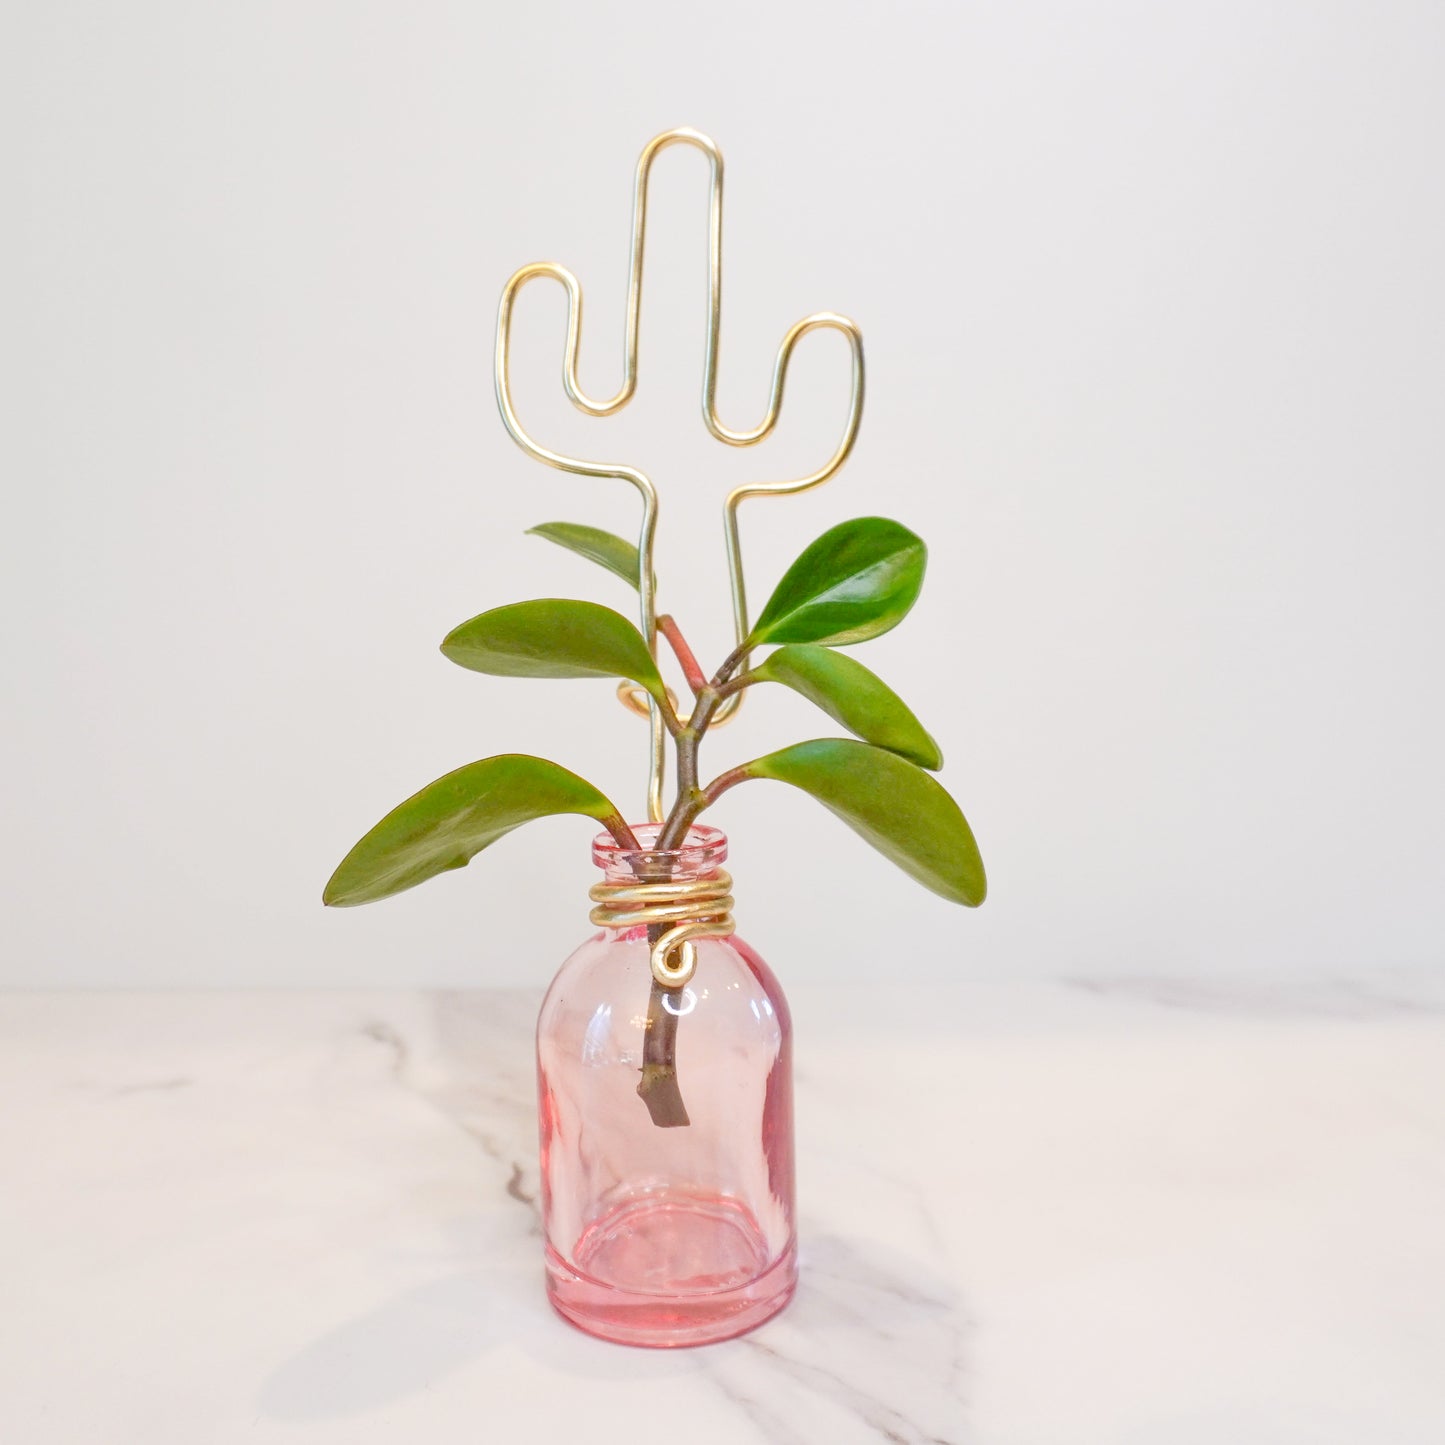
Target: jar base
{"x":671,"y":1269}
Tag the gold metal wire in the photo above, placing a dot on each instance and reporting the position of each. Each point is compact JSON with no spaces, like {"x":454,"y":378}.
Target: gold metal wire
{"x":823,"y":320}
{"x":697,"y":908}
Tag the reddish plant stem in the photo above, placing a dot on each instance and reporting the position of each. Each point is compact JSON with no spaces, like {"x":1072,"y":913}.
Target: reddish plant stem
{"x":731,"y":663}
{"x":722,"y":783}
{"x":670,"y":719}
{"x":696,"y":679}
{"x":736,"y":684}
{"x":618,"y":826}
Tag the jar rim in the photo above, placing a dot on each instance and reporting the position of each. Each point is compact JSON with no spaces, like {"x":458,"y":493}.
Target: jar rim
{"x":703,"y":848}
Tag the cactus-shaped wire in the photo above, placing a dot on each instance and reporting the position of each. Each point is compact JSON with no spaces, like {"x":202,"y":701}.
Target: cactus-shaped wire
{"x":818,"y":321}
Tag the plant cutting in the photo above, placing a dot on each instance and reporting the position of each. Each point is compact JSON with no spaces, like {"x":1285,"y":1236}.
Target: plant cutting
{"x":669,"y":1220}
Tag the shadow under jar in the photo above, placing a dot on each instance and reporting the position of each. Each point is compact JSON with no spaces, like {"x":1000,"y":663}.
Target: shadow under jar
{"x":676,"y":1235}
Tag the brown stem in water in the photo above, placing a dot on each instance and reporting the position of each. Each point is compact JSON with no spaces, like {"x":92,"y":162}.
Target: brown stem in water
{"x":658,"y":1086}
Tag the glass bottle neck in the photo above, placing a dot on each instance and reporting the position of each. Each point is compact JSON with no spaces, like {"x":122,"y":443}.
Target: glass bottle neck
{"x":701,"y":855}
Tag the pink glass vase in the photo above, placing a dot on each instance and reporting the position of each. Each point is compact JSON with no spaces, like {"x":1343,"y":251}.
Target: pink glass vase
{"x":676,"y":1235}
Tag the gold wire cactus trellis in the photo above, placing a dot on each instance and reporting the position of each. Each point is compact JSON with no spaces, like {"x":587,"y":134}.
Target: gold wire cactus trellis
{"x":820,"y":320}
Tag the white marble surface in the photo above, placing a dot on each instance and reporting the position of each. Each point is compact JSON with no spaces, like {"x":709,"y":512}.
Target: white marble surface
{"x":1088,"y":1213}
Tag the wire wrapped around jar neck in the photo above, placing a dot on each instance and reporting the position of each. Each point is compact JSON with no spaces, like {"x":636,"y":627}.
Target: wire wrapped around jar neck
{"x":697,"y":904}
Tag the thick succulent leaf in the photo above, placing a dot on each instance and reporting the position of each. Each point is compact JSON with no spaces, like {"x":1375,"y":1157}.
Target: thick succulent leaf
{"x":897,"y":807}
{"x":451,"y":820}
{"x":852,"y":695}
{"x":856,"y":581}
{"x":554,"y":637}
{"x":607,"y":550}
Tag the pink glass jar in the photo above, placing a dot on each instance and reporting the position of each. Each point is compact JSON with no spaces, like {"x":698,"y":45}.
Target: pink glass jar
{"x":680,"y":1234}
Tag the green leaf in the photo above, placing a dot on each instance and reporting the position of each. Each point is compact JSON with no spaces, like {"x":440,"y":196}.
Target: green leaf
{"x":554,"y":637}
{"x":451,"y":820}
{"x":596,"y":545}
{"x":852,"y":695}
{"x":856,"y":581}
{"x":897,"y":807}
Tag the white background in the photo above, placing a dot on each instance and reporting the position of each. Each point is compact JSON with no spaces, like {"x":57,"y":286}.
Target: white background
{"x":1155,"y":320}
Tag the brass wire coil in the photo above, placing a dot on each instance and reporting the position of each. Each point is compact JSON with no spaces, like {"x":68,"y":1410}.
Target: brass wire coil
{"x":697,"y":908}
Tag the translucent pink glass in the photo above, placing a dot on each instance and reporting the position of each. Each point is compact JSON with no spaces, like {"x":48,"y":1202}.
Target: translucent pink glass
{"x":666,"y":1236}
